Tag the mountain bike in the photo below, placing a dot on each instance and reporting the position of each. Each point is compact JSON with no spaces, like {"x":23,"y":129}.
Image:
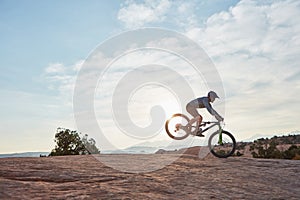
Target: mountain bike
{"x":221,"y":143}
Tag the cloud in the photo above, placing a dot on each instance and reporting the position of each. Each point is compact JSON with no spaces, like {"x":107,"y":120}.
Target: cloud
{"x":178,"y":13}
{"x":55,"y":68}
{"x":252,"y":28}
{"x":61,"y":79}
{"x":138,"y":14}
{"x":255,"y":46}
{"x":157,"y":62}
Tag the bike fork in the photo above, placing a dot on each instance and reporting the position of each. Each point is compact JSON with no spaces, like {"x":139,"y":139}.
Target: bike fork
{"x":220,"y":142}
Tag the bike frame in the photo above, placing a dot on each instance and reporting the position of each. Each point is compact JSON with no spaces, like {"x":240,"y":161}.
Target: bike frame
{"x":213,"y":125}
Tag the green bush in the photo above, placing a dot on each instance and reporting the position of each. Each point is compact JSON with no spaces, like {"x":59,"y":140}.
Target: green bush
{"x":69,"y":143}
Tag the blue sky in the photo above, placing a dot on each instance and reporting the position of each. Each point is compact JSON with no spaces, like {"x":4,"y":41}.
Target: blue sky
{"x":36,"y":33}
{"x":253,"y":44}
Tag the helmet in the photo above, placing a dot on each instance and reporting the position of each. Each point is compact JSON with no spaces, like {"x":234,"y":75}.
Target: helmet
{"x":212,"y":94}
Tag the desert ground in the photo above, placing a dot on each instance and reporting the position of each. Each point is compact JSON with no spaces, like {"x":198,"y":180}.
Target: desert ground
{"x":186,"y":177}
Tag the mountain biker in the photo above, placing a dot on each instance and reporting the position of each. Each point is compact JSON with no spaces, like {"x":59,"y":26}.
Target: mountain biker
{"x":201,"y":102}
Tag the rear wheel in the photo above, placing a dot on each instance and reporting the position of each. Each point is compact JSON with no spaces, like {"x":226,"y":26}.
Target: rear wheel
{"x":174,"y":121}
{"x":222,"y":145}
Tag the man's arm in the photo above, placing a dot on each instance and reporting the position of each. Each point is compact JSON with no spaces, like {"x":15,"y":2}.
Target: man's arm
{"x":212,"y":111}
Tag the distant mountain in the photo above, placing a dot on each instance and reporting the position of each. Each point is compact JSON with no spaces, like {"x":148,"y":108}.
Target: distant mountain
{"x":259,"y":136}
{"x":25,"y":154}
{"x":149,"y":147}
{"x":158,"y":143}
{"x":141,"y":149}
{"x":132,"y":150}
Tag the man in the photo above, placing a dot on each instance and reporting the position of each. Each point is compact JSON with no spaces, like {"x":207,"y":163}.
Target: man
{"x":202,"y":102}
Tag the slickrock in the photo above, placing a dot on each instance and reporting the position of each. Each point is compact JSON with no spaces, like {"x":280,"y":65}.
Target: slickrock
{"x":188,"y":177}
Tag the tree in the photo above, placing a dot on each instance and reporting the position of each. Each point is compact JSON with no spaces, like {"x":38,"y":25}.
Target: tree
{"x":272,"y":151}
{"x":69,"y":143}
{"x":292,"y":152}
{"x":265,"y":148}
{"x":90,"y":145}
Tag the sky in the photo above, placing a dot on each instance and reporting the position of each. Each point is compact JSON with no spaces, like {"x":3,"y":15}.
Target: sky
{"x":45,"y":45}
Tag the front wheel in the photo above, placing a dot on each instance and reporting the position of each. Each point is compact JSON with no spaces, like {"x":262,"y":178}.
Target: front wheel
{"x":222,"y":145}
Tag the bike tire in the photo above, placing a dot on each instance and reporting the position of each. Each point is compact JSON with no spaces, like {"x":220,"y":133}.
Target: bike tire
{"x":228,"y":144}
{"x":170,"y":132}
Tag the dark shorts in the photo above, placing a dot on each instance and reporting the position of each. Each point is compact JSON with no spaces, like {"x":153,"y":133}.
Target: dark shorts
{"x":192,"y":110}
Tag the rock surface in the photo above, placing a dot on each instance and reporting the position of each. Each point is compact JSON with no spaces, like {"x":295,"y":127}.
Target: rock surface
{"x":188,"y":177}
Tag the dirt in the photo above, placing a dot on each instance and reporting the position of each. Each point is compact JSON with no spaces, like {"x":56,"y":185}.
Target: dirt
{"x":186,"y":177}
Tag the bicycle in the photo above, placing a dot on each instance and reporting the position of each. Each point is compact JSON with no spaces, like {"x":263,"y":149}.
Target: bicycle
{"x":221,"y":143}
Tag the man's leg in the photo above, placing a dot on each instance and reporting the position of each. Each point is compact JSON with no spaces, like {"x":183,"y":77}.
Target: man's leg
{"x":196,"y":118}
{"x":199,"y":130}
{"x":199,"y":121}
